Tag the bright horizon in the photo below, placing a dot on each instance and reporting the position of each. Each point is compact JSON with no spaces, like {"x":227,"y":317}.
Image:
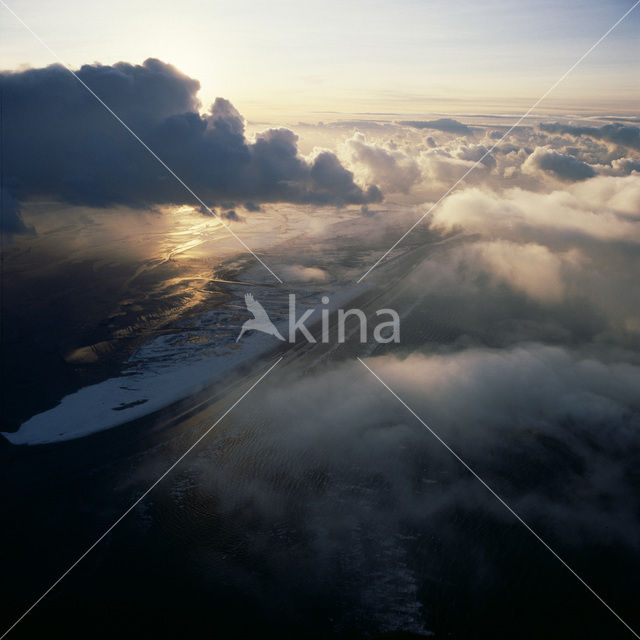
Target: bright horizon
{"x":322,"y":59}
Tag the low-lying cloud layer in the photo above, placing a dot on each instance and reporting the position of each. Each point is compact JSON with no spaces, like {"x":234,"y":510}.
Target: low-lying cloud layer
{"x":406,"y":160}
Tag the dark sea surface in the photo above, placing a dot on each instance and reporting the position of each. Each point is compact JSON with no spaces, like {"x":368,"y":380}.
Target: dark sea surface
{"x":284,"y":524}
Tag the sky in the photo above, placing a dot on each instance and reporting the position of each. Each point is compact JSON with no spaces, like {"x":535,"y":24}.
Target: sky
{"x":312,"y":59}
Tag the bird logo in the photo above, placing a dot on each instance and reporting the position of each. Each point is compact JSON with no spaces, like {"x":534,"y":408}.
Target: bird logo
{"x":260,"y":320}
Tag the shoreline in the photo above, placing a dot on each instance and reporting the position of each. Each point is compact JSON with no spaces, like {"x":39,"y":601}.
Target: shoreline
{"x":162,"y":385}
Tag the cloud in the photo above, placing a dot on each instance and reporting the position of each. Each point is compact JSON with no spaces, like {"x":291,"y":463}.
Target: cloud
{"x":476,"y":153}
{"x":364,"y":456}
{"x":446,"y":165}
{"x":560,"y":165}
{"x":61,"y":143}
{"x":10,"y":218}
{"x":620,"y":167}
{"x":392,"y":169}
{"x":621,"y":134}
{"x":356,"y":497}
{"x":230,"y":215}
{"x":604,"y":208}
{"x":528,"y":267}
{"x":300,"y":273}
{"x":332,"y":183}
{"x":449,"y":125}
{"x":538,"y":383}
{"x":573,"y":251}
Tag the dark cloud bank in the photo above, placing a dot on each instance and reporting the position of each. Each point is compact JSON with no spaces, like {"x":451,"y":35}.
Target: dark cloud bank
{"x":623,"y":135}
{"x":59,"y":142}
{"x":10,"y":220}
